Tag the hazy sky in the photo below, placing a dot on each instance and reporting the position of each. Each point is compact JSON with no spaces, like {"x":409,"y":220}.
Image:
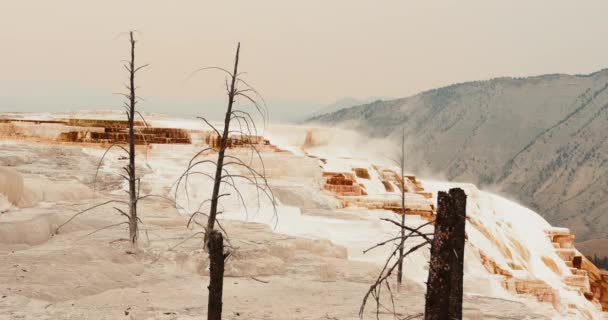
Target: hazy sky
{"x":299,"y":54}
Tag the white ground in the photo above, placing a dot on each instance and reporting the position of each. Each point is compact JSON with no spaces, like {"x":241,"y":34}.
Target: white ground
{"x":308,"y":257}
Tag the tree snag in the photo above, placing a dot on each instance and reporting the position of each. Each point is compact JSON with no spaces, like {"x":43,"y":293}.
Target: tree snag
{"x":133,"y":227}
{"x":133,"y":181}
{"x":402,"y":167}
{"x":224,"y":178}
{"x":444,"y":285}
{"x":391,"y":264}
{"x":223,"y":145}
{"x":216,"y":274}
{"x":459,"y":201}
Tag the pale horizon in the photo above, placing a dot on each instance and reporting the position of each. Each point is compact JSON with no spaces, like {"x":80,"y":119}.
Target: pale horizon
{"x":301,"y":56}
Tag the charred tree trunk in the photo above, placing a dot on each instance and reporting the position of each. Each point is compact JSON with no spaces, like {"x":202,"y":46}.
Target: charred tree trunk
{"x":444,"y":285}
{"x":133,"y":227}
{"x":216,"y":273}
{"x":214,"y":239}
{"x":459,"y":209}
{"x":223,"y":145}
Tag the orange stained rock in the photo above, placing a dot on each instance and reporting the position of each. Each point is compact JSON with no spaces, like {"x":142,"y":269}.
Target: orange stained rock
{"x":94,"y":131}
{"x":362,"y":173}
{"x":493,"y":267}
{"x":598,"y":281}
{"x":589,"y":281}
{"x":345,"y":187}
{"x":388,"y":186}
{"x":551,"y":264}
{"x":342,"y":184}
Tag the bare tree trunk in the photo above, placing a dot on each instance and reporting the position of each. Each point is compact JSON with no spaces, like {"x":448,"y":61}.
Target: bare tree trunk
{"x":223,"y":145}
{"x":131,"y":175}
{"x":402,"y":161}
{"x":133,"y":227}
{"x":213,"y":239}
{"x":459,"y":203}
{"x":216,"y":273}
{"x":444,"y":285}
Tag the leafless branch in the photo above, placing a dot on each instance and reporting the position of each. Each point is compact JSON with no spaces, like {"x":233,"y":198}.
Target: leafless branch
{"x":134,"y":182}
{"x":213,"y":240}
{"x":104,"y":228}
{"x":415,"y":231}
{"x":211,"y":126}
{"x":102,"y":158}
{"x":87,"y":210}
{"x":386,"y":272}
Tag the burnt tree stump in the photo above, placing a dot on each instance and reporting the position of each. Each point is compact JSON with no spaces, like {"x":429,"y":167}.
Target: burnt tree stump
{"x":459,"y":202}
{"x":444,"y":285}
{"x":216,"y":274}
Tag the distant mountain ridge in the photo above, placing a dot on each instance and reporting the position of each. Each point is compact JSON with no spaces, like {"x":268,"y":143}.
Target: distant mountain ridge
{"x":343,"y":103}
{"x":543,"y":140}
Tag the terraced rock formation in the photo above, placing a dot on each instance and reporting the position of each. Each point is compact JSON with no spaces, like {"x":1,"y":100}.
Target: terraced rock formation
{"x":541,"y":140}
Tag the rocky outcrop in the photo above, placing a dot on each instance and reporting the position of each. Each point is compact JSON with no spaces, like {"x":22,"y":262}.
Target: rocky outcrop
{"x":350,"y":188}
{"x":342,"y":184}
{"x":91,"y":131}
{"x":577,"y":274}
{"x":537,"y":288}
{"x":598,"y":281}
{"x":117,"y":132}
{"x":143,"y":135}
{"x":96,"y":131}
{"x":583,"y":277}
{"x":239,"y":141}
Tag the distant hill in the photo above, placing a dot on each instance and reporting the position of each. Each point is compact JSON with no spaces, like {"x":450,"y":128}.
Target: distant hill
{"x":343,"y":103}
{"x":542,"y":140}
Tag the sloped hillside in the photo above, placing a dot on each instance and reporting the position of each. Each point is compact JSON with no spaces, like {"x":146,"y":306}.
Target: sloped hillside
{"x":541,"y":140}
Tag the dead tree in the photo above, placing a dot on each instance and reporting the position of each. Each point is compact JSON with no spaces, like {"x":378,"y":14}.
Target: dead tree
{"x":444,"y":285}
{"x":130,"y":169}
{"x":216,"y":275}
{"x":403,"y":189}
{"x":459,"y":202}
{"x":223,"y":145}
{"x":400,"y":162}
{"x":131,"y":177}
{"x":223,"y":177}
{"x":392,"y":263}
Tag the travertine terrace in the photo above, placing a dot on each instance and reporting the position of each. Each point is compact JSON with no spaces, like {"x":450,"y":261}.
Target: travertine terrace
{"x":581,"y":277}
{"x":90,"y":131}
{"x":330,"y":205}
{"x":350,"y":188}
{"x":110,"y":131}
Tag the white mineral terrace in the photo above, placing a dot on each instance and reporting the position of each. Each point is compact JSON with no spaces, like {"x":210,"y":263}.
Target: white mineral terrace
{"x":516,"y":265}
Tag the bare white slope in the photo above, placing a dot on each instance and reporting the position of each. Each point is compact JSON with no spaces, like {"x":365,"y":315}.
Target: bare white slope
{"x":517,"y":232}
{"x":512,"y":227}
{"x":506,"y":232}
